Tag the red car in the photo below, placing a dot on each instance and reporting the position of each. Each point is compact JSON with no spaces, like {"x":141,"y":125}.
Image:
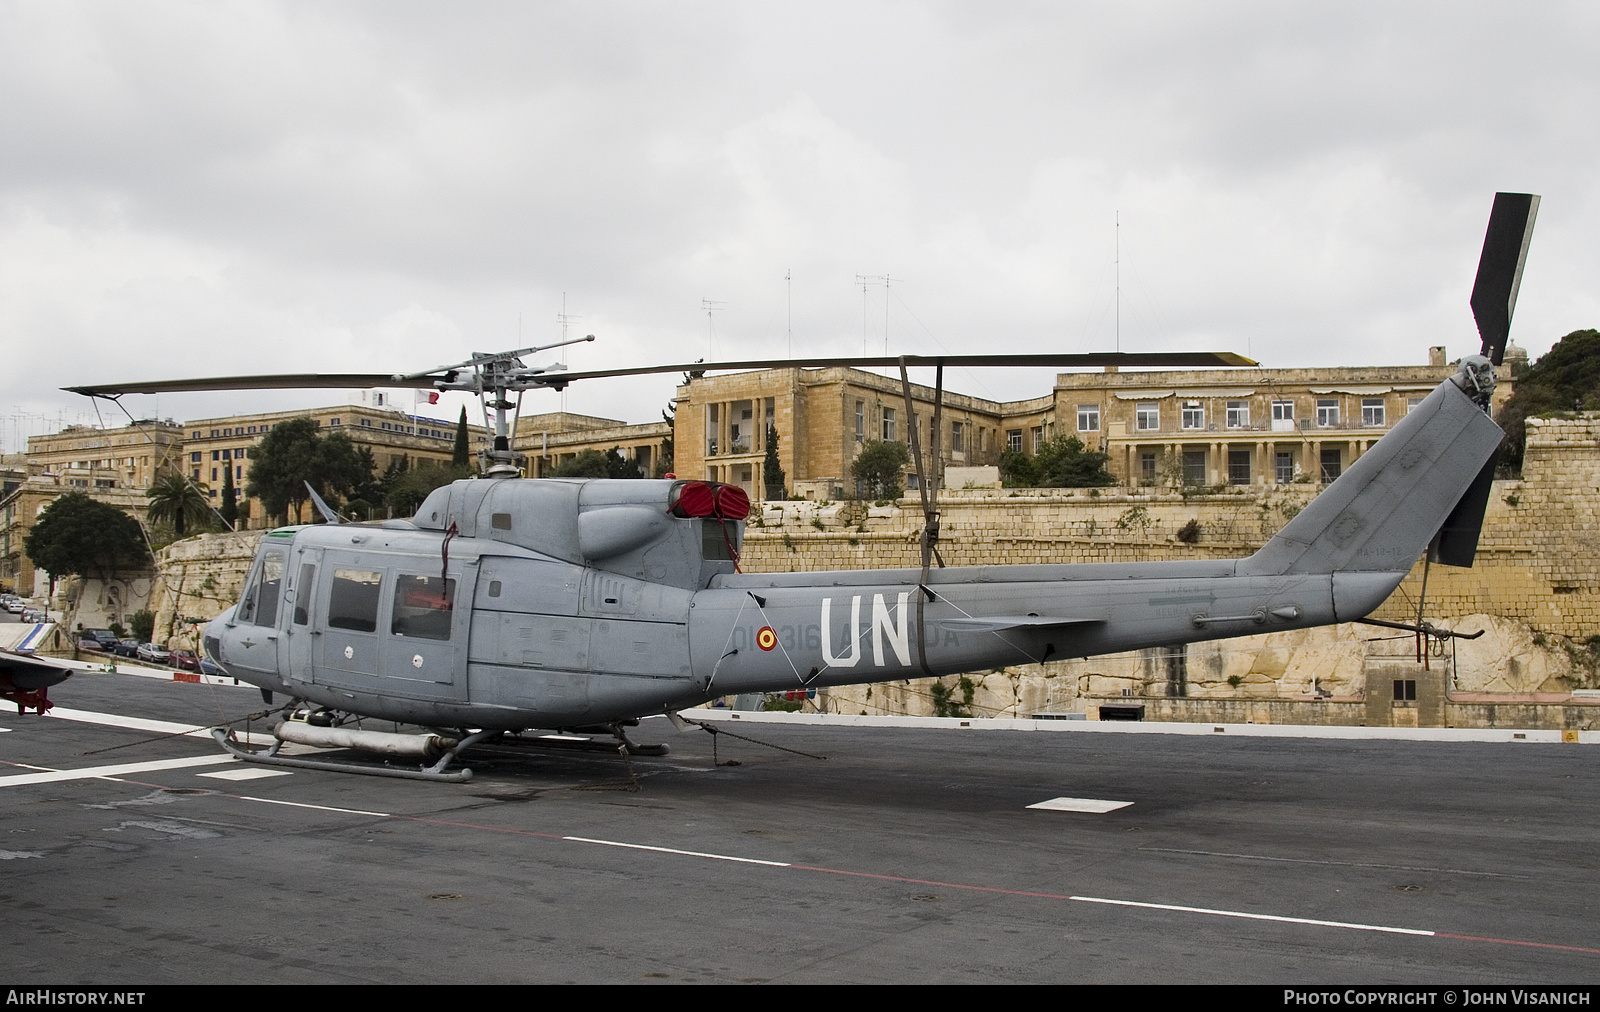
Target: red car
{"x":185,"y":659}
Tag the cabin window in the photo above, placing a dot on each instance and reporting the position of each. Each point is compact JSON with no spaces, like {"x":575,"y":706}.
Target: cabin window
{"x":302,"y":593}
{"x":500,"y":521}
{"x":423,"y":606}
{"x":259,"y":606}
{"x":353,"y":600}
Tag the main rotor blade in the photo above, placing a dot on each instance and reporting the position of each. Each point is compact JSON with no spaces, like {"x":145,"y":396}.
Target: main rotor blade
{"x":1132,"y":360}
{"x":557,"y":380}
{"x":1505,"y":250}
{"x":286,"y":381}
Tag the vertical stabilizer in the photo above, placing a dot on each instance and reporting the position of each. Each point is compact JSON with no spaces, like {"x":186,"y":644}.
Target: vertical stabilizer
{"x":1381,"y":514}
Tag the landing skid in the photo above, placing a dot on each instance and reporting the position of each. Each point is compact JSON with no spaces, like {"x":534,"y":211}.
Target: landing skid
{"x":436,"y":772}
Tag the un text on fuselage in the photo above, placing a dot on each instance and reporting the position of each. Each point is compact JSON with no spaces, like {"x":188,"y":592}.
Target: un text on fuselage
{"x":884,"y":627}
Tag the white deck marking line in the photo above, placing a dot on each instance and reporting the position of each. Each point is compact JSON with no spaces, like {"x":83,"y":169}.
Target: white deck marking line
{"x":684,"y":853}
{"x":120,"y":770}
{"x":252,"y":773}
{"x":1093,"y":806}
{"x":320,"y":808}
{"x":1254,"y":917}
{"x":143,"y":724}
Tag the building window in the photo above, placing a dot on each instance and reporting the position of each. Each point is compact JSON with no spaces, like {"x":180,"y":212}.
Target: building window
{"x":1327,"y":413}
{"x":1038,"y":438}
{"x":1147,"y":467}
{"x":335,"y":421}
{"x":1238,"y":467}
{"x":216,"y":454}
{"x":1372,"y":411}
{"x":1283,"y":416}
{"x":1194,"y":467}
{"x":213,"y":474}
{"x":197,"y":474}
{"x":888,"y":424}
{"x":194,"y":458}
{"x":1285,"y":467}
{"x":1194,"y":415}
{"x":227,"y":454}
{"x":1088,"y":418}
{"x":1147,"y":417}
{"x":861,"y":421}
{"x":1411,"y":404}
{"x":368,"y":423}
{"x":956,"y":446}
{"x":1014,"y":440}
{"x":1238,"y":414}
{"x":1330,"y":463}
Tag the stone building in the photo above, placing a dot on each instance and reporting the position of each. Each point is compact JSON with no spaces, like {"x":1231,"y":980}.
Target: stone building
{"x":556,"y":437}
{"x":394,"y":436}
{"x":86,"y":457}
{"x":1160,"y":427}
{"x":20,"y":509}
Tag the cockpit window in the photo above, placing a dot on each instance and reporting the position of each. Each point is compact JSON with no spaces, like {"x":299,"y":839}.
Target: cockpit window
{"x":423,"y":606}
{"x":259,"y":606}
{"x":353,"y":600}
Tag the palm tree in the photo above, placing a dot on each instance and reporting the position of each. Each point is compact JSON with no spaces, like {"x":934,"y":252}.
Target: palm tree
{"x":176,"y":500}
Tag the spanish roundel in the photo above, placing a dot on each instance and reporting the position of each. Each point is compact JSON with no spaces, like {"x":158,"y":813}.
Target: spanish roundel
{"x":766,"y":638}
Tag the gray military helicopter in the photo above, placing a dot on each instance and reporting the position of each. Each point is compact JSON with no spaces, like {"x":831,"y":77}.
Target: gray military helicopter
{"x":509,"y":604}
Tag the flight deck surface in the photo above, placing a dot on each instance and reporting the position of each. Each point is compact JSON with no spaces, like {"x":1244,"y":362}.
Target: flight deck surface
{"x":907,"y":855}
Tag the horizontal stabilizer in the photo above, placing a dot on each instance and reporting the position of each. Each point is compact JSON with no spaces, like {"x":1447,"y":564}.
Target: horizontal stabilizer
{"x":996,"y":623}
{"x":27,"y":671}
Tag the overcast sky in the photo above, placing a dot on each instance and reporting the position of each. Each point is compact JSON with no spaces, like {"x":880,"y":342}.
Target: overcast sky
{"x":214,"y":188}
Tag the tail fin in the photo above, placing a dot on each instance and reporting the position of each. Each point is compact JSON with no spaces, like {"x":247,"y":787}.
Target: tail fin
{"x":1381,"y":513}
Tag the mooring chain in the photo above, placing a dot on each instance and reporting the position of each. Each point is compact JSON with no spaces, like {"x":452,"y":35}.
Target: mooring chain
{"x":179,"y":734}
{"x":714,"y":731}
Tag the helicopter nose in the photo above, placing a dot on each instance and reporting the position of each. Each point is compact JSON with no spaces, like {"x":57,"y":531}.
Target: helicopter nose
{"x":213,"y":636}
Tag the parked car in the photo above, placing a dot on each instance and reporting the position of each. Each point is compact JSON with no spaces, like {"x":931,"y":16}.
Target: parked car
{"x":87,"y":642}
{"x":188,"y":660}
{"x":210,"y":667}
{"x":153,"y":653}
{"x":126,"y":648}
{"x":105,"y":637}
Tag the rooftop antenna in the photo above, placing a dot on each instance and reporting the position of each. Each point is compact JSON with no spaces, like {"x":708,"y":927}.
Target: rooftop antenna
{"x":789,"y":283}
{"x":711,"y":306}
{"x":565,"y":319}
{"x":1117,"y":259}
{"x":868,"y":279}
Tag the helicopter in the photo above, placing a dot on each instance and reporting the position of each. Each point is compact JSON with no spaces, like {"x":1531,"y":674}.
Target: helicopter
{"x":509,"y":604}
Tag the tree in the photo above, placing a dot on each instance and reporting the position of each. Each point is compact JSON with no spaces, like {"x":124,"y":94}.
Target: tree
{"x":877,"y":468}
{"x":292,"y":454}
{"x":664,"y":463}
{"x":230,"y":499}
{"x":460,"y":456}
{"x":594,"y":464}
{"x":1063,"y":462}
{"x":1566,"y":378}
{"x":406,"y":487}
{"x":178,"y":501}
{"x":771,"y":471}
{"x":78,"y":536}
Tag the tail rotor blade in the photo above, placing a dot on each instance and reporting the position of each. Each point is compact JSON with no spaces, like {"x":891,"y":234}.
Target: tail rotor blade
{"x":1505,"y":248}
